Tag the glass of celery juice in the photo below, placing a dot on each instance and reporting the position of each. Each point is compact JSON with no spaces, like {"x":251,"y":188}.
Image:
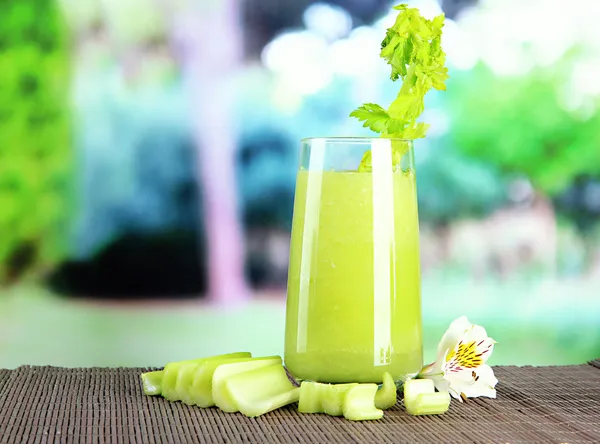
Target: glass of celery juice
{"x":353,"y":298}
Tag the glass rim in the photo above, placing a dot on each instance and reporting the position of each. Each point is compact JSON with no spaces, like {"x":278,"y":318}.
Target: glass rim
{"x":353,"y":139}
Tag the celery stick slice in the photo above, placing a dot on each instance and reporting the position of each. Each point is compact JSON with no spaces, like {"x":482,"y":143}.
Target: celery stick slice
{"x":310,"y":397}
{"x":416,"y":387}
{"x":261,"y":390}
{"x":170,"y":380}
{"x":386,"y":396}
{"x":152,"y":382}
{"x":359,"y":404}
{"x":171,"y":372}
{"x":429,"y":404}
{"x":199,"y":391}
{"x":184,"y":380}
{"x":333,"y":398}
{"x":222,"y":373}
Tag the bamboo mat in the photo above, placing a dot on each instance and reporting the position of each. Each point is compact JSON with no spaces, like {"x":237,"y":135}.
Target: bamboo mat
{"x":99,"y":405}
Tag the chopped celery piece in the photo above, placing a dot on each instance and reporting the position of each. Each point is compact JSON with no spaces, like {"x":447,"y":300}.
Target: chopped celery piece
{"x":261,"y":390}
{"x":429,"y":404}
{"x":310,"y":397}
{"x":386,"y":396}
{"x":200,"y":389}
{"x":333,"y":398}
{"x":222,"y":373}
{"x":170,"y":380}
{"x":316,"y":397}
{"x":152,"y":382}
{"x":359,"y":403}
{"x":171,"y":372}
{"x":185,"y":377}
{"x":416,"y":387}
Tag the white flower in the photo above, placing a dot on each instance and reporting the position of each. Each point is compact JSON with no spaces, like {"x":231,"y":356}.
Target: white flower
{"x":460,"y":367}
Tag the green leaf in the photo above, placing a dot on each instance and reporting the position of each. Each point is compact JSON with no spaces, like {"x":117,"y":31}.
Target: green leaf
{"x":374,"y":117}
{"x":412,"y":48}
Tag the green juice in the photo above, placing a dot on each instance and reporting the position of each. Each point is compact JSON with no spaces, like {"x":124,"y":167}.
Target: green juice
{"x":353,"y":303}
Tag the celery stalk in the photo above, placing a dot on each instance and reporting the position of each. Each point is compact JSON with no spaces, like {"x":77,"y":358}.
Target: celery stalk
{"x":359,"y":404}
{"x":386,"y":396}
{"x":172,"y":370}
{"x":261,"y":390}
{"x":184,"y":380}
{"x":310,"y":397}
{"x":429,"y":404}
{"x":416,"y":387}
{"x":152,"y":382}
{"x":200,"y":388}
{"x":333,"y":398}
{"x":420,"y":398}
{"x":220,"y":396}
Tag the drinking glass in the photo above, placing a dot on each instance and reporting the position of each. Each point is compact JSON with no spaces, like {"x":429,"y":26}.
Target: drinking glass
{"x":353,"y":307}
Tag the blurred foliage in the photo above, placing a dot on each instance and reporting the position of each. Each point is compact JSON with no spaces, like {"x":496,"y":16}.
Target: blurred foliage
{"x":137,"y":160}
{"x":265,"y":19}
{"x":453,"y":186}
{"x":521,"y":125}
{"x":269,"y":140}
{"x":580,"y":203}
{"x":35,"y":152}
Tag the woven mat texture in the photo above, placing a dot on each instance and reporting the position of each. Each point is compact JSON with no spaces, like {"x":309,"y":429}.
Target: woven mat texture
{"x":58,"y":405}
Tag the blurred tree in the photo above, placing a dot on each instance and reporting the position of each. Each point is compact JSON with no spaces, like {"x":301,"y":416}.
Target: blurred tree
{"x":264,"y":19}
{"x":35,"y":149}
{"x":208,"y":68}
{"x":453,"y":186}
{"x":524,"y":125}
{"x":137,"y":226}
{"x":520,"y":125}
{"x":580,"y":204}
{"x":453,"y":7}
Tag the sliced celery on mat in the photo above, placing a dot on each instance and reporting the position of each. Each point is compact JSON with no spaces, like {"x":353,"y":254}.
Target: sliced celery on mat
{"x":429,"y":404}
{"x":185,"y":378}
{"x":316,"y":397}
{"x":261,"y":390}
{"x":200,"y":388}
{"x":164,"y":382}
{"x":172,"y":371}
{"x":416,"y":387}
{"x":152,"y":382}
{"x":311,"y":397}
{"x":420,"y":398}
{"x":332,"y":398}
{"x":387,"y":394}
{"x":222,"y":373}
{"x":359,"y":403}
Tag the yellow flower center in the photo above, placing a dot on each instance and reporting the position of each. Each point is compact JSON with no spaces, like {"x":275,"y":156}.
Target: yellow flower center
{"x":465,"y":356}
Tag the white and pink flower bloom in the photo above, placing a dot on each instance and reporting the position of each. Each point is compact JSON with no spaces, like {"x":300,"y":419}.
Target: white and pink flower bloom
{"x":460,"y":367}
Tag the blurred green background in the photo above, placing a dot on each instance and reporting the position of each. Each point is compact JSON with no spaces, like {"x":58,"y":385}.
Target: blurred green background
{"x":147,"y":174}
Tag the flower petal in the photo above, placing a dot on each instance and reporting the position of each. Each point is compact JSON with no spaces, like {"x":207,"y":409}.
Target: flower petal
{"x":473,"y":350}
{"x":435,"y":368}
{"x":484,"y":345}
{"x":457,"y":329}
{"x":473,"y":383}
{"x":440,"y":383}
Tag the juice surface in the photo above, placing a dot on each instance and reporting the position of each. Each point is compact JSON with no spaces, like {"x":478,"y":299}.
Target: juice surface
{"x":353,"y":307}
